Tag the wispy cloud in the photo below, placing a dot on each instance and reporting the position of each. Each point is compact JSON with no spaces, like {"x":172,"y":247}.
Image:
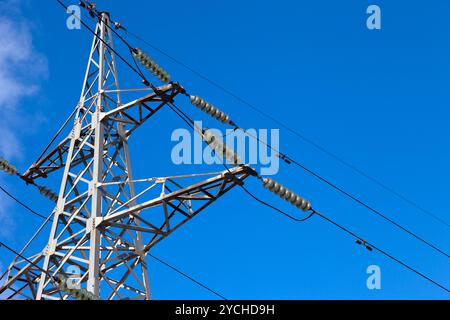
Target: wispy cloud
{"x":22,"y":69}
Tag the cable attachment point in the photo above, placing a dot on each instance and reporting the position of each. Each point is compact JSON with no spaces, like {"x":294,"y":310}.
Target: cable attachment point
{"x":286,"y":194}
{"x":209,"y":109}
{"x":27,"y":180}
{"x":151,"y":65}
{"x":7,"y":167}
{"x":363,"y":243}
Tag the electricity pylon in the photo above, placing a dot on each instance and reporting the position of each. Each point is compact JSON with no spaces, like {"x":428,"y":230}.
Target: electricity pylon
{"x":101,"y":226}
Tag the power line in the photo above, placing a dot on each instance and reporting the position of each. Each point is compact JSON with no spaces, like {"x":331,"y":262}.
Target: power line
{"x":314,"y":212}
{"x":390,"y":256}
{"x":365,"y":205}
{"x":383,"y":252}
{"x":288,"y":159}
{"x":30,"y":241}
{"x":357,"y":170}
{"x":22,"y":204}
{"x":377,"y":212}
{"x":189,"y":121}
{"x":293,"y":131}
{"x":333,"y":222}
{"x":104,"y":42}
{"x":188,"y":277}
{"x":139,"y":72}
{"x":2,"y":244}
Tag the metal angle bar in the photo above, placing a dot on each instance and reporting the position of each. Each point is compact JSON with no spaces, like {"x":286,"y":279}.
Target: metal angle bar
{"x":125,"y":276}
{"x":129,"y":90}
{"x":110,"y":284}
{"x":149,"y":97}
{"x":166,"y":178}
{"x":130,"y":269}
{"x":174,"y":194}
{"x":133,"y":198}
{"x":72,"y":257}
{"x":154,"y":241}
{"x":71,"y":218}
{"x":140,"y":292}
{"x":151,"y":225}
{"x":177,"y":207}
{"x":22,"y":271}
{"x":131,"y":227}
{"x":102,"y":248}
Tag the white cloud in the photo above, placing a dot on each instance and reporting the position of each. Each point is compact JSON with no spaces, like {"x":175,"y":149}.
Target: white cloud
{"x":22,"y":69}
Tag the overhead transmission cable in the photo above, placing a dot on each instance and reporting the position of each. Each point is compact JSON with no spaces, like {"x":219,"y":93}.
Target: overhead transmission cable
{"x":385,"y":253}
{"x":224,"y":118}
{"x":57,"y":134}
{"x":388,"y":255}
{"x":207,"y":107}
{"x":278,"y":189}
{"x":103,"y":41}
{"x":22,"y":204}
{"x":293,"y":131}
{"x":188,"y":277}
{"x":46,"y":192}
{"x":38,"y":231}
{"x":190,"y":122}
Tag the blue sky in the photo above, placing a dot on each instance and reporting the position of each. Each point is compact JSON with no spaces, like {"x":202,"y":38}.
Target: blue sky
{"x":377,"y":99}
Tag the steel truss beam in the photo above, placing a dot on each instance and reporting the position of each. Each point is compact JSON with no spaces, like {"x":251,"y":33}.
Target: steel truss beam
{"x":102,"y":227}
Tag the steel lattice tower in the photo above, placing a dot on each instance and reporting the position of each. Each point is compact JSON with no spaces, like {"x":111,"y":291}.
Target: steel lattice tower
{"x":100,"y":224}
